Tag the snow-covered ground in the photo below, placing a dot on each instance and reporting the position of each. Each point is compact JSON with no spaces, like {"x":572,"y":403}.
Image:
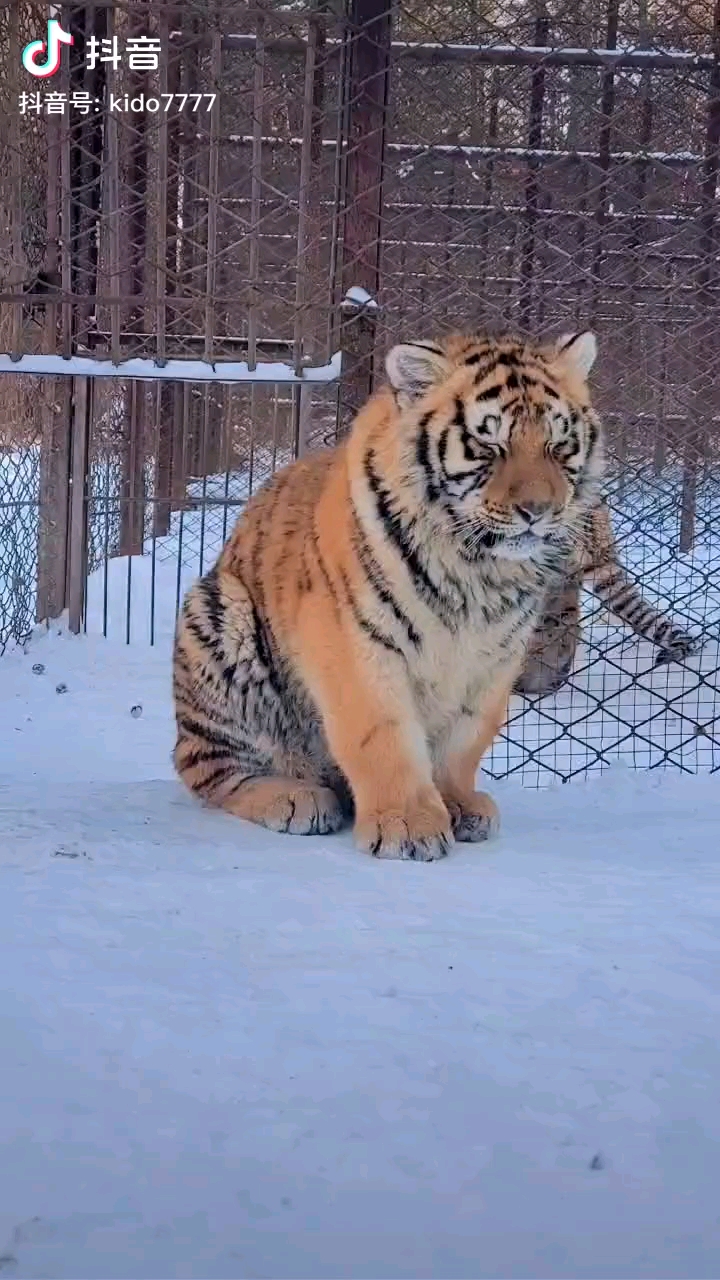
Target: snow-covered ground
{"x":232,"y":1054}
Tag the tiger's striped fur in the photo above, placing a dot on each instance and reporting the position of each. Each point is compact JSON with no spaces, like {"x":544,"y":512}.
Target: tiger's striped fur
{"x":354,"y":648}
{"x":552,"y":648}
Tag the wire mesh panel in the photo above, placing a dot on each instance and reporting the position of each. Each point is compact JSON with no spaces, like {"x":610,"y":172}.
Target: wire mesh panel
{"x":19,"y":508}
{"x":156,"y":526}
{"x":548,"y":168}
{"x":225,"y":182}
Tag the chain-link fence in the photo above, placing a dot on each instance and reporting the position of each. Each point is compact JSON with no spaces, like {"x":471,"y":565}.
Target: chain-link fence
{"x":239,"y":184}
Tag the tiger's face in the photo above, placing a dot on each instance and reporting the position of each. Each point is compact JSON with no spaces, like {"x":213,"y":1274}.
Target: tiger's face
{"x":501,"y":438}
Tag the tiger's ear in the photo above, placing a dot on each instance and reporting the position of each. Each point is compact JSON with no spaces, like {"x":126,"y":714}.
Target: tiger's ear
{"x":414,"y":367}
{"x":577,"y":351}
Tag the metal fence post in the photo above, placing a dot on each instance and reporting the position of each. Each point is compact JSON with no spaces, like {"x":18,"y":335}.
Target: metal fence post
{"x":370,"y":33}
{"x":77,"y":539}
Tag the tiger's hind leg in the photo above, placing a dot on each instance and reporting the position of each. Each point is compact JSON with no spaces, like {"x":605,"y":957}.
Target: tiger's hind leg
{"x":551,"y":651}
{"x":288,"y":805}
{"x":228,"y":775}
{"x":240,"y":746}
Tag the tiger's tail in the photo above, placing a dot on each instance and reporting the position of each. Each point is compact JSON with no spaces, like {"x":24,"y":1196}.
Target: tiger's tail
{"x":622,"y":597}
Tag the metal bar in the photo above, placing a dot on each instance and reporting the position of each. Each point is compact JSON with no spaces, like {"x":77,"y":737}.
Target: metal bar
{"x":53,"y":501}
{"x":212,"y":209}
{"x":320,"y":335}
{"x":339,"y":187}
{"x":276,"y":346}
{"x":211,"y":424}
{"x":111,"y":212}
{"x":193,"y":171}
{"x":370,"y":25}
{"x":494,"y":54}
{"x":180,"y":395}
{"x":660,"y":425}
{"x":705,"y":334}
{"x":135,"y":221}
{"x":257,"y":141}
{"x":711,"y":165}
{"x":442,"y":246}
{"x":16,"y":273}
{"x":65,"y":232}
{"x":161,"y":199}
{"x":532,"y":183}
{"x":306,"y":257}
{"x":132,"y":484}
{"x":227,"y":453}
{"x":172,"y":179}
{"x":174,"y":197}
{"x":87,"y":144}
{"x":614,"y":290}
{"x":673,"y":159}
{"x":405,"y":206}
{"x":301,"y":269}
{"x":164,"y":421}
{"x":645,"y":90}
{"x":492,"y":133}
{"x":607,"y":109}
{"x":77,"y":558}
{"x":53,"y":492}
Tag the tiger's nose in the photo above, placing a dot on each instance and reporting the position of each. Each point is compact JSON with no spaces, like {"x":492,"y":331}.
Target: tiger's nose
{"x":531,"y":511}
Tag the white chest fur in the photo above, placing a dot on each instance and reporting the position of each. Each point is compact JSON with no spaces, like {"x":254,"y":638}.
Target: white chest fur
{"x":454,"y":673}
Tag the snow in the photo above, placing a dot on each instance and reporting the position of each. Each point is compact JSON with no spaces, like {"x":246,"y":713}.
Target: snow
{"x":222,"y":371}
{"x":229,"y":1053}
{"x":356,"y":296}
{"x":541,"y":153}
{"x":431,"y":149}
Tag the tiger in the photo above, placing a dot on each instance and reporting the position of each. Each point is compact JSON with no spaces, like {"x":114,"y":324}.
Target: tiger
{"x":552,"y":648}
{"x":351,"y":654}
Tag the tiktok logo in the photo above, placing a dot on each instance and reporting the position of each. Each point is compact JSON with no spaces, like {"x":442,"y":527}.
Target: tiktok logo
{"x":55,"y":38}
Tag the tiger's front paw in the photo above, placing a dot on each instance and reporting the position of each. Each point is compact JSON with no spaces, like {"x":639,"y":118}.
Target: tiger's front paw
{"x":418,"y":830}
{"x":476,"y":819}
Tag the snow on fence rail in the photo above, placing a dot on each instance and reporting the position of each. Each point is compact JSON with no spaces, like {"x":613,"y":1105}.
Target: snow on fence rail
{"x":504,"y":55}
{"x":196,"y":371}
